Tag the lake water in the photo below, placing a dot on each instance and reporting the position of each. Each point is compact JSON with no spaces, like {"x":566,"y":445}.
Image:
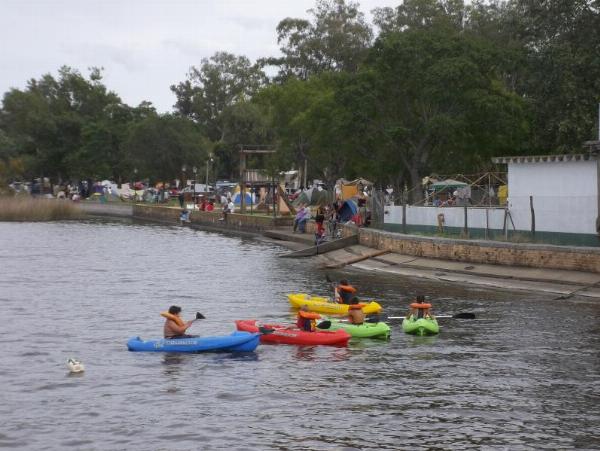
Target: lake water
{"x":523,"y":375}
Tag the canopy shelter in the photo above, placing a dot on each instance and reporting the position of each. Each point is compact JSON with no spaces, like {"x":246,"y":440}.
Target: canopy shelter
{"x":353,"y":188}
{"x":447,"y":185}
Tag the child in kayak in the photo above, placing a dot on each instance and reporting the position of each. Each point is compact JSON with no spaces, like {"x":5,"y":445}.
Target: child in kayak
{"x":307,"y":321}
{"x":355,"y":314}
{"x":344,"y":292}
{"x":420,"y":309}
{"x":175,"y":327}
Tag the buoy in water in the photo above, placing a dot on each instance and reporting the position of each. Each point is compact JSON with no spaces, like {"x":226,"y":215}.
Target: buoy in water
{"x":75,"y":366}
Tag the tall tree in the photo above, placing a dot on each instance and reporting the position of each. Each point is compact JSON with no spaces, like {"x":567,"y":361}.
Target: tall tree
{"x":336,"y":39}
{"x":429,"y":99}
{"x":221,"y":81}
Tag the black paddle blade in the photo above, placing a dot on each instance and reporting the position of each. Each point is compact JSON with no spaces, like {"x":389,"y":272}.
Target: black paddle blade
{"x":265,"y":330}
{"x":464,"y":316}
{"x":200,"y":316}
{"x":324,"y":324}
{"x":328,"y":278}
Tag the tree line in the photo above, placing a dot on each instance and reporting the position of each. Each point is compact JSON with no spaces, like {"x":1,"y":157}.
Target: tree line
{"x":431,"y":86}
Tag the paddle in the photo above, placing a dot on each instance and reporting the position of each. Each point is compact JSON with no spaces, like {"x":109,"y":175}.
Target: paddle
{"x":265,"y":330}
{"x":463,"y":315}
{"x":200,"y":316}
{"x":324,"y":324}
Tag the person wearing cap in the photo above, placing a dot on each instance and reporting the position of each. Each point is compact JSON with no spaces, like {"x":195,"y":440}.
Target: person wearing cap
{"x":344,"y":292}
{"x":355,"y":314}
{"x":175,"y":326}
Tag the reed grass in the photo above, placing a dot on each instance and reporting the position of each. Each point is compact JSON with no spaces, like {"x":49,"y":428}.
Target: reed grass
{"x":23,"y":208}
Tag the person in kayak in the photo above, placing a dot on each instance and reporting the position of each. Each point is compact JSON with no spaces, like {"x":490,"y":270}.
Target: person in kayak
{"x":175,"y":327}
{"x":355,"y":314}
{"x":420,"y":309}
{"x":344,"y":292}
{"x":307,"y":321}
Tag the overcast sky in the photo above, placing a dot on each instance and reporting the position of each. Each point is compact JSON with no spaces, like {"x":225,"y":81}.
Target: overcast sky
{"x":145,"y":46}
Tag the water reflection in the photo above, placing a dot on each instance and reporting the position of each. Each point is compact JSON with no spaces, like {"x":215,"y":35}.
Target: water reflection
{"x":479,"y":384}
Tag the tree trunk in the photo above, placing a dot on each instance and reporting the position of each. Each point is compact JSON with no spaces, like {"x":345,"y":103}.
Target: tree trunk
{"x":416,"y":192}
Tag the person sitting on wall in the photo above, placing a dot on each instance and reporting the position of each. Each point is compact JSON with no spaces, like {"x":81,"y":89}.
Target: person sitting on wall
{"x":210,"y":206}
{"x":184,"y":216}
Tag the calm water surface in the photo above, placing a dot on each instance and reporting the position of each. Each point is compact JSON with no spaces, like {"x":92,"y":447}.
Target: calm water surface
{"x":524,"y":375}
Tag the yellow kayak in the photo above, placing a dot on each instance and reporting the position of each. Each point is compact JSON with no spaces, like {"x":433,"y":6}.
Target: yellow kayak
{"x":324,"y":305}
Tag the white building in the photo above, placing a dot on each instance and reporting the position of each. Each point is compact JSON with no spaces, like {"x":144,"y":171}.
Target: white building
{"x":559,"y":192}
{"x":563,"y":190}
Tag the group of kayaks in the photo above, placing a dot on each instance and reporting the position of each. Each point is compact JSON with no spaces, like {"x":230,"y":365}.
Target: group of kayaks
{"x":250,"y":332}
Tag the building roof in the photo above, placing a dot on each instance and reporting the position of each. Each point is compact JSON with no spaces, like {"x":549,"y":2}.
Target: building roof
{"x":545,"y":158}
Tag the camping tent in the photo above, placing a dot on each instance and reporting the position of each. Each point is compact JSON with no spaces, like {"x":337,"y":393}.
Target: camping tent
{"x":347,"y":210}
{"x":248,"y":198}
{"x":312,"y":196}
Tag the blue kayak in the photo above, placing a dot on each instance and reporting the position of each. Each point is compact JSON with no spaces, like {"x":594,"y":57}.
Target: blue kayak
{"x":236,"y":342}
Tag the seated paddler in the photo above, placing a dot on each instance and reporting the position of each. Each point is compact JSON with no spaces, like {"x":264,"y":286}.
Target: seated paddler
{"x":175,"y":326}
{"x":420,"y":309}
{"x":344,"y":292}
{"x":356,"y":315}
{"x":307,"y":321}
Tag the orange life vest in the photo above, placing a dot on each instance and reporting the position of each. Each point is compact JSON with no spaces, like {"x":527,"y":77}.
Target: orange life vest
{"x":172,"y":317}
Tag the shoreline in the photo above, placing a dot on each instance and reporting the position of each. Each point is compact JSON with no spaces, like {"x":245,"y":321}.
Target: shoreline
{"x":561,"y":282}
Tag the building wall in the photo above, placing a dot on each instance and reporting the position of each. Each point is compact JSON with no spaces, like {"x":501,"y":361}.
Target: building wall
{"x":453,"y":216}
{"x":565,"y":195}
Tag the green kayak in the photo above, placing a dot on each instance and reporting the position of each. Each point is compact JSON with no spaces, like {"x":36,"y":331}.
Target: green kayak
{"x":420,"y":326}
{"x":365,"y":330}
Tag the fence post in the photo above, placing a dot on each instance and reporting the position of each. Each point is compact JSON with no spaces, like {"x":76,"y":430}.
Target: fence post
{"x":466,"y":228}
{"x":487,"y":223}
{"x":404,"y":217}
{"x":532,"y":216}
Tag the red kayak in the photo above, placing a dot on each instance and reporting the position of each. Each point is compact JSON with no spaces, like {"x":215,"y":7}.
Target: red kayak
{"x":291,"y":335}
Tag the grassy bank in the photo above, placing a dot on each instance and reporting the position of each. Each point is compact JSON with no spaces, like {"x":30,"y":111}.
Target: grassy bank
{"x":35,"y":209}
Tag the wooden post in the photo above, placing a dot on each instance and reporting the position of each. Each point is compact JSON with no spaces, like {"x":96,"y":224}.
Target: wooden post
{"x":404,"y":217}
{"x":466,"y":228}
{"x":532,"y":216}
{"x":505,"y":226}
{"x":242,"y":180}
{"x":487,"y":223}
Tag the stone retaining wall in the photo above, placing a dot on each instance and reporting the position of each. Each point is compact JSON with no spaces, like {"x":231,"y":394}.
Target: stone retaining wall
{"x":233,"y":221}
{"x":487,"y":252}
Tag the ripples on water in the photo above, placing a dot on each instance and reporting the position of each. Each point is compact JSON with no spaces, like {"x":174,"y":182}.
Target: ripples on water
{"x":524,"y":375}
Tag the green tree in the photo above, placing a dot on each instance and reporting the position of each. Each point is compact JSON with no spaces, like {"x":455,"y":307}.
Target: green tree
{"x":431,"y":99}
{"x":159,"y":146}
{"x":46,"y":120}
{"x":336,"y":39}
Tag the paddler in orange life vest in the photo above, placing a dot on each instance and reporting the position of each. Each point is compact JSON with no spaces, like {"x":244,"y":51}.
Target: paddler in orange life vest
{"x":355,"y":314}
{"x":175,"y":327}
{"x":344,"y":292}
{"x":420,"y":309}
{"x":307,"y":321}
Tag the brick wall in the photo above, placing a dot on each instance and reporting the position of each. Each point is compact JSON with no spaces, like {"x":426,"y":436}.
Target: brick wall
{"x":489,"y":252}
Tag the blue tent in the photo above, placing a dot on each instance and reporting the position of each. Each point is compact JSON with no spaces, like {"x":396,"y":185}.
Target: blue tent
{"x":347,"y":210}
{"x":248,"y":198}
